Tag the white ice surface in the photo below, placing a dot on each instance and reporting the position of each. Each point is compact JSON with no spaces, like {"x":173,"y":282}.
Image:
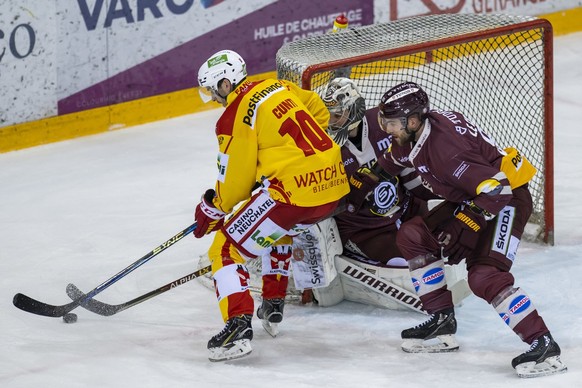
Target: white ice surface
{"x":82,"y":210}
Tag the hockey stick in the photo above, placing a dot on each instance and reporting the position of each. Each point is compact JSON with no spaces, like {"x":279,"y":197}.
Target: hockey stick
{"x":107,"y":310}
{"x":34,"y":306}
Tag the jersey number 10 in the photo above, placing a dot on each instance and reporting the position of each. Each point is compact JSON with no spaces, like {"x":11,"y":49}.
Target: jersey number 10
{"x":306,"y":133}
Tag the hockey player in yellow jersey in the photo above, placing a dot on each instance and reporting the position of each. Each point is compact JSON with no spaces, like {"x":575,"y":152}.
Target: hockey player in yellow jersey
{"x":271,"y":132}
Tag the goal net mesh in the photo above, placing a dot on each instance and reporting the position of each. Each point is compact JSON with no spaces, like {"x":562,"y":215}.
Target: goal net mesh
{"x":496,"y":69}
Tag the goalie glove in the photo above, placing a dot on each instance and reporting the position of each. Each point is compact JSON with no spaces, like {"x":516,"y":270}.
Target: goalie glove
{"x":374,"y":189}
{"x":459,"y":236}
{"x":208,"y":218}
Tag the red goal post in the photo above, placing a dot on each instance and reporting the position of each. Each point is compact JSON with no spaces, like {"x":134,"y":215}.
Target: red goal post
{"x":496,"y":69}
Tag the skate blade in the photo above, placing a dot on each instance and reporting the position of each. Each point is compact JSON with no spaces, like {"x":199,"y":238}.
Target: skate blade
{"x":550,"y":366}
{"x":440,"y":344}
{"x":270,"y":327}
{"x":238,"y":349}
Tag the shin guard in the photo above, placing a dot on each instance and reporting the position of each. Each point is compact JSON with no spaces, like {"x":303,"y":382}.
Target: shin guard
{"x":428,"y":277}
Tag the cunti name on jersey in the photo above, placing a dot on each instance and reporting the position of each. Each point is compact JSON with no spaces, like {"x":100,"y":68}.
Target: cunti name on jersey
{"x":284,"y":107}
{"x":257,"y":99}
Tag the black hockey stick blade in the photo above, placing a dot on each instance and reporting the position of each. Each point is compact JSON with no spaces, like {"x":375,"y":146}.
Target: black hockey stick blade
{"x":107,"y":310}
{"x":94,"y":305}
{"x":34,"y":306}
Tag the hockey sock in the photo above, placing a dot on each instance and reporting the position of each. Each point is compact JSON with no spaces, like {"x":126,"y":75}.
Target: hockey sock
{"x":518,"y":312}
{"x":275,"y":271}
{"x":428,"y":277}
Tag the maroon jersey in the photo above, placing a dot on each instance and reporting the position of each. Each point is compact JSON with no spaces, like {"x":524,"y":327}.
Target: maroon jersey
{"x":455,"y":160}
{"x":363,"y":151}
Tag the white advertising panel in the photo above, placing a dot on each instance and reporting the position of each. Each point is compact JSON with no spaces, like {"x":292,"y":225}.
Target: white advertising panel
{"x":28,"y":62}
{"x":65,"y":56}
{"x":399,"y":9}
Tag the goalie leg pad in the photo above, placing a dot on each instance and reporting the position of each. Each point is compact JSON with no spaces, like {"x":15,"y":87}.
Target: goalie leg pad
{"x":360,"y":285}
{"x":313,"y":255}
{"x":330,"y":295}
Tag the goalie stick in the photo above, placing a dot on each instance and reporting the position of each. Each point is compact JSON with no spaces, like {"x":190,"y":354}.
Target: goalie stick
{"x":106,"y":310}
{"x":34,"y":306}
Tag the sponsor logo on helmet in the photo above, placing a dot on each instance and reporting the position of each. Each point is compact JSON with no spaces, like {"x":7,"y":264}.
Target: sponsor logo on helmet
{"x":217,"y":60}
{"x":401,"y":94}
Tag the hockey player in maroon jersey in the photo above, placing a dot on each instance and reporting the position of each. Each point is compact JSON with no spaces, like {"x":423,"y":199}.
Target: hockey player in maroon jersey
{"x":368,"y":227}
{"x":487,"y":206}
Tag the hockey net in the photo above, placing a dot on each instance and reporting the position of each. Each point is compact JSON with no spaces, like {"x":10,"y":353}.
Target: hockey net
{"x":496,"y":69}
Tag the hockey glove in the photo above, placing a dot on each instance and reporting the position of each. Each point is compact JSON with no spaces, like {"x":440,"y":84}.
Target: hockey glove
{"x":459,"y":236}
{"x":208,"y":218}
{"x":373,"y":188}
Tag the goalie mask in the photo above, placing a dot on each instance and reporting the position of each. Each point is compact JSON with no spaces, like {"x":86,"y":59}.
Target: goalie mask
{"x":225,"y":64}
{"x":346,"y":106}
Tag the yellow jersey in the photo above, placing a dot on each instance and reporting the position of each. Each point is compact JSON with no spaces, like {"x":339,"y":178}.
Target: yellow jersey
{"x":273,"y":132}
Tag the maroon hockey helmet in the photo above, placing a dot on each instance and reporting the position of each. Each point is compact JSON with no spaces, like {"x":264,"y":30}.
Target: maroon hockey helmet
{"x":404,"y":100}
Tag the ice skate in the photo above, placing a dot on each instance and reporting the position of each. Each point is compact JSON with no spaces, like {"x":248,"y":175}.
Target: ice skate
{"x":270,"y":312}
{"x":234,"y":341}
{"x":440,"y":328}
{"x":542,"y":359}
